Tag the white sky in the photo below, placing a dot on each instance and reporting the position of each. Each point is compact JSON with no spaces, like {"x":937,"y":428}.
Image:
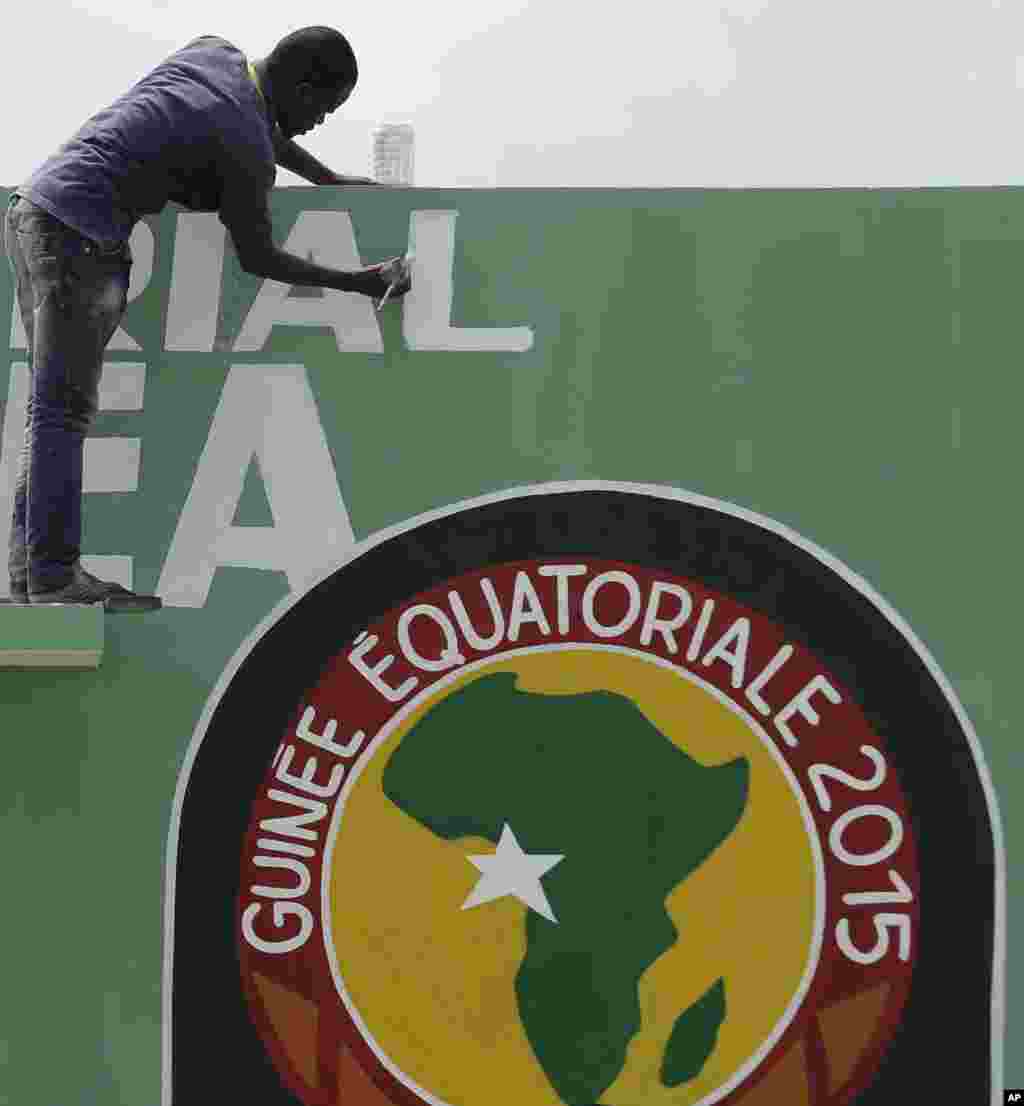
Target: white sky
{"x":573,"y":93}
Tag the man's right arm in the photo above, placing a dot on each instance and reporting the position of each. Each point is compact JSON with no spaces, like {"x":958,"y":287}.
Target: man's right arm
{"x":246,"y":184}
{"x":264,"y":259}
{"x":244,"y":212}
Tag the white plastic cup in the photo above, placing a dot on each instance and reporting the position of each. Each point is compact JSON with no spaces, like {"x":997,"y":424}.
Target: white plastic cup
{"x":393,"y":154}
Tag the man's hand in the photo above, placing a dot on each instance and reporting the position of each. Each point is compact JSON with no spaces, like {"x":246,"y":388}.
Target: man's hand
{"x":338,"y":178}
{"x":374,"y":280}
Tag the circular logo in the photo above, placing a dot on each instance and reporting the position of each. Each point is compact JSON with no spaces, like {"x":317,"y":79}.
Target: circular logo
{"x":584,"y":795}
{"x":568,"y":830}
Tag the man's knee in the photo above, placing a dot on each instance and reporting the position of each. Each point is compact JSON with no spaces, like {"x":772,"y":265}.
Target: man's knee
{"x":73,"y":410}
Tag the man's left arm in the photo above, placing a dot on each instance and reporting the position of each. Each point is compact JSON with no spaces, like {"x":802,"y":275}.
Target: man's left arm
{"x":291,"y":155}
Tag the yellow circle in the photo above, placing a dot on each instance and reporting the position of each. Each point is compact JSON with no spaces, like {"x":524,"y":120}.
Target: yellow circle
{"x":434,"y":985}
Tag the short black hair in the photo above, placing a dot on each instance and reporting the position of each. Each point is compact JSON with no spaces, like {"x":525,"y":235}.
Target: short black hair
{"x":320,"y":55}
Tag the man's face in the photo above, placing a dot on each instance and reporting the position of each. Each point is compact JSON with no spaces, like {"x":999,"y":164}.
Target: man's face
{"x":308,"y":107}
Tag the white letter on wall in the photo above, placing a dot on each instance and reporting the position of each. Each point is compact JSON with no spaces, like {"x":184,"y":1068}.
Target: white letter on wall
{"x":193,"y":300}
{"x":427,"y":307}
{"x":267,"y":412}
{"x":329,"y":238}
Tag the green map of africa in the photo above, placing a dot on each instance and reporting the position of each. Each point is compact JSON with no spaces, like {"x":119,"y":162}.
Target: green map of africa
{"x":590,"y":777}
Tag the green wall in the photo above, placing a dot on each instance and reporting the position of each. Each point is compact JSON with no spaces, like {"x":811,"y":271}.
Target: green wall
{"x":844,"y":362}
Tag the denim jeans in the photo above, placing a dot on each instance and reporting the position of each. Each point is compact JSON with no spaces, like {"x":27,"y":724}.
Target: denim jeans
{"x":72,"y":293}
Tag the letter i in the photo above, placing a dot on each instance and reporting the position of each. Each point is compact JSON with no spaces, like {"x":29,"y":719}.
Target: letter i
{"x":706,"y":611}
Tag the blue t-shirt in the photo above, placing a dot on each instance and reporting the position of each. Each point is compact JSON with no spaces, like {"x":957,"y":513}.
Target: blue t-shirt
{"x":195,"y":131}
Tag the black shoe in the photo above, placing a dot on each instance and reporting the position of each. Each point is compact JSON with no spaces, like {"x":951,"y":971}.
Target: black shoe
{"x":85,"y":588}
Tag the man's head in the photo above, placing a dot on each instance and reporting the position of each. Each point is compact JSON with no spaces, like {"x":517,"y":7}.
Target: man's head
{"x":312,"y":73}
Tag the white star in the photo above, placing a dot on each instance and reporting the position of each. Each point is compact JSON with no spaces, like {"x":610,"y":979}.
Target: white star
{"x":510,"y":871}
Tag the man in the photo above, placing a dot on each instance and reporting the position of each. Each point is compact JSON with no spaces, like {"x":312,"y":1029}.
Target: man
{"x":205,"y":129}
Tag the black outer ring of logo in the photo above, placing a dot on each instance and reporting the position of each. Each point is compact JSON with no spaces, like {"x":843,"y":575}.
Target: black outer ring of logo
{"x":943,"y":1044}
